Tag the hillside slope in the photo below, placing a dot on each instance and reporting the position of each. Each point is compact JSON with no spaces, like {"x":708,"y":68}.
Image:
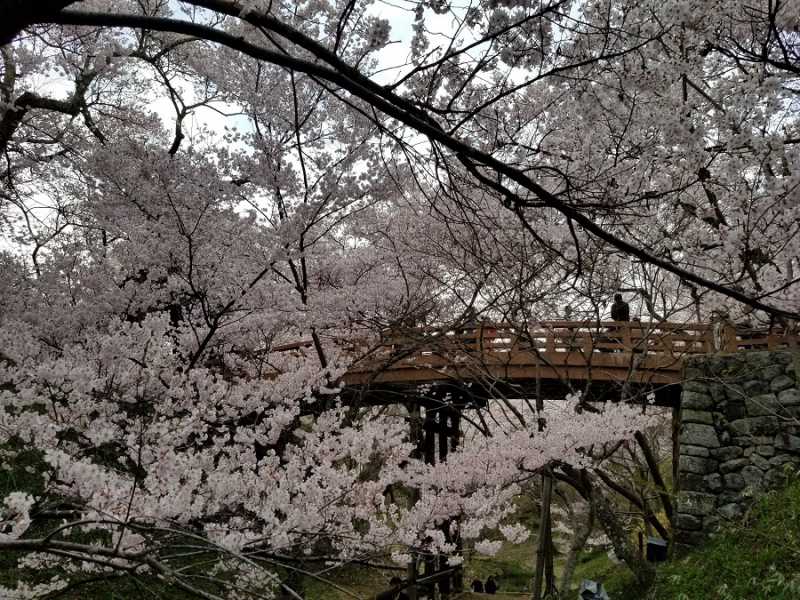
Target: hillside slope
{"x":755,"y":558}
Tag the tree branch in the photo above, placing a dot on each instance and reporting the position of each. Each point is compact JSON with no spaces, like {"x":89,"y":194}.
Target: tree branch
{"x":394,"y":106}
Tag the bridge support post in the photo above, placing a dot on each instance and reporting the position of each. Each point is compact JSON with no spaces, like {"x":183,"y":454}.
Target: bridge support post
{"x":440,"y":435}
{"x":455,"y":438}
{"x":428,"y":452}
{"x":412,"y":578}
{"x":417,"y":436}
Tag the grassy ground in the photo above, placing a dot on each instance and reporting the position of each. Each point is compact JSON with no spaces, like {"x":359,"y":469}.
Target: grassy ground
{"x":616,"y":578}
{"x":755,"y":559}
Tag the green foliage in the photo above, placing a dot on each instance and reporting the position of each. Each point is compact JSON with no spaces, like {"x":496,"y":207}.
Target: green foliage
{"x":757,"y":558}
{"x":513,"y":568}
{"x":616,"y":577}
{"x":20,"y":470}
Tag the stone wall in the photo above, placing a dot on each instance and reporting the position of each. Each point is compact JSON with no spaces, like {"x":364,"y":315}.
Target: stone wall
{"x":739,"y":432}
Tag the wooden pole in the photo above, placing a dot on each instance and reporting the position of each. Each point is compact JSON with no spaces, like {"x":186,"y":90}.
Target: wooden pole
{"x":730,"y":338}
{"x":412,"y":579}
{"x":429,"y":437}
{"x":627,"y":338}
{"x":429,"y":454}
{"x":417,"y":434}
{"x":550,"y":589}
{"x":443,"y":418}
{"x":444,"y":443}
{"x":455,"y":435}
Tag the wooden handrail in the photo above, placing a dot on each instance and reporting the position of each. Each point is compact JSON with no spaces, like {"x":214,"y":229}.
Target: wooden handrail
{"x":586,"y":337}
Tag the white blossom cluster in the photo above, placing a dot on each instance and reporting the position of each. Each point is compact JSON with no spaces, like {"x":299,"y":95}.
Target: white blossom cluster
{"x":25,"y":591}
{"x":199,"y":245}
{"x":378,"y":33}
{"x":15,"y":515}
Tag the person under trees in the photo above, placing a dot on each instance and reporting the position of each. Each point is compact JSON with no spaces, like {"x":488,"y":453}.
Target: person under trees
{"x":201,"y":199}
{"x":393,"y":595}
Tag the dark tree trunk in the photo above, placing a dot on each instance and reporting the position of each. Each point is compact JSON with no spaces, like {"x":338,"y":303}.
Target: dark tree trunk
{"x":625,"y":551}
{"x":15,"y":15}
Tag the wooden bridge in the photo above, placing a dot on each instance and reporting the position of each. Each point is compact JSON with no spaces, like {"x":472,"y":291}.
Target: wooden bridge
{"x":553,"y":356}
{"x":438,"y":372}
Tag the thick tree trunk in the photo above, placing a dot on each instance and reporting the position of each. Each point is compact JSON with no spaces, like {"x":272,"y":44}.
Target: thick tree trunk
{"x":635,"y":501}
{"x":625,"y":551}
{"x":576,"y":545}
{"x":652,"y":465}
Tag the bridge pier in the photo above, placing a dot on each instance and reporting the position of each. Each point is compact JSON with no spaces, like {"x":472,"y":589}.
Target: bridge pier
{"x":739,"y":436}
{"x":435,"y":425}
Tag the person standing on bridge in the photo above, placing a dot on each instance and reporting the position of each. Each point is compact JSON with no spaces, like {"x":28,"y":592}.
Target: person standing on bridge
{"x":620,"y":311}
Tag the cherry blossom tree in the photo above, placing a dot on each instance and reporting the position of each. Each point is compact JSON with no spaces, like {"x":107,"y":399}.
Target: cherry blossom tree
{"x":190,"y":187}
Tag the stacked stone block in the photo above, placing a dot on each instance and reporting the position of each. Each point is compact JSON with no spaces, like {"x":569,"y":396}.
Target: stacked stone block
{"x":740,"y":431}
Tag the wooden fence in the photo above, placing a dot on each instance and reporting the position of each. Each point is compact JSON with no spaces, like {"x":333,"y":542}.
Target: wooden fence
{"x":567,"y":348}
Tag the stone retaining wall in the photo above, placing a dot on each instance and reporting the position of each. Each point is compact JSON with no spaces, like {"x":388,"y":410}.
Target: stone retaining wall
{"x":740,"y":431}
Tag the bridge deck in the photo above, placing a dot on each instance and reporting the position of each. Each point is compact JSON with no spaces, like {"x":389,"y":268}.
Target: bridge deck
{"x":550,"y":354}
{"x":609,"y":351}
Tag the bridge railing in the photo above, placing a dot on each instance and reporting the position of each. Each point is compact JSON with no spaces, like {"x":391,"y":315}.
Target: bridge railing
{"x":675,"y":339}
{"x":558,"y":336}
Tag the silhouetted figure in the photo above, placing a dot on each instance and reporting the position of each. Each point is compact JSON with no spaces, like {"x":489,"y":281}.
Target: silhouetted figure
{"x":491,"y":586}
{"x":477,"y":586}
{"x":394,"y":582}
{"x":620,"y":311}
